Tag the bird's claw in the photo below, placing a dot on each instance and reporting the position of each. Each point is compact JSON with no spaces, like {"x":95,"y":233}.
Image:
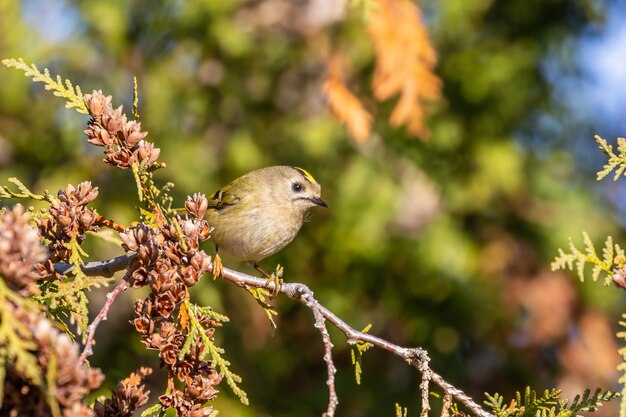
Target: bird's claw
{"x":269,"y":279}
{"x":277,"y":284}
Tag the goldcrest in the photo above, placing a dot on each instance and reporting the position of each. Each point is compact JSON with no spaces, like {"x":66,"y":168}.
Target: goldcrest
{"x":259,"y":213}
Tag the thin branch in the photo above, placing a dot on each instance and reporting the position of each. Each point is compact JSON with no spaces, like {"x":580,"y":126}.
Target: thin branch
{"x":102,"y":315}
{"x":111,"y":224}
{"x":415,"y":357}
{"x":320,"y":323}
{"x":99,"y":268}
{"x":426,"y":376}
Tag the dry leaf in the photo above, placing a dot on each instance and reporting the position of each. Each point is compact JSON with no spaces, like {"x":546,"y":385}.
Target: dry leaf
{"x":405,"y":58}
{"x":346,"y":107}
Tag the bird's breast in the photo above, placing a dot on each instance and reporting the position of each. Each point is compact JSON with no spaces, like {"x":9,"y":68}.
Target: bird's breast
{"x":255,"y":234}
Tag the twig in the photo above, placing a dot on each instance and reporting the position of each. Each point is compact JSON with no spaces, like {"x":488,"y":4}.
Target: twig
{"x":426,"y":375}
{"x":111,"y":224}
{"x":416,"y":357}
{"x":102,"y":315}
{"x":105,"y":269}
{"x":320,"y":323}
{"x":99,"y":268}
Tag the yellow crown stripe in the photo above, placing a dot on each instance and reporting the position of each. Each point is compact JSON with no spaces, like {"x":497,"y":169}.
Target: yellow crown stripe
{"x":306,"y":174}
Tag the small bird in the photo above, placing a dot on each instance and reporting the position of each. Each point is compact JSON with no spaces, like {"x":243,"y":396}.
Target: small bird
{"x":259,"y":213}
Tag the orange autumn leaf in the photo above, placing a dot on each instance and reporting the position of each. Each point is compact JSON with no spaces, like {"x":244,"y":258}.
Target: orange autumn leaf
{"x":344,"y":105}
{"x":405,"y":59}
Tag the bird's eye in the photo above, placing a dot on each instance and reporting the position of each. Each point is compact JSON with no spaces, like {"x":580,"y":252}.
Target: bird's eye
{"x":297,"y":187}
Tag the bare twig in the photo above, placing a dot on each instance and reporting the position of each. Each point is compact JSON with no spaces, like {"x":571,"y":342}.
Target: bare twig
{"x":99,"y":268}
{"x":426,"y":375}
{"x":320,"y":323}
{"x":415,"y":357}
{"x":102,"y":315}
{"x":105,"y":269}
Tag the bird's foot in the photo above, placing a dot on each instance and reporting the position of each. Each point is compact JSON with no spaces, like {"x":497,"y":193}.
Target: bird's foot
{"x":278,"y":282}
{"x":271,"y":278}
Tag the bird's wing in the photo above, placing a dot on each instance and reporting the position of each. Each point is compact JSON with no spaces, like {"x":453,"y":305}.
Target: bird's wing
{"x":222,"y":199}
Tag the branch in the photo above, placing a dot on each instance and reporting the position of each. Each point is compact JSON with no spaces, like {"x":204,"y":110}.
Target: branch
{"x":99,"y":268}
{"x":102,"y":315}
{"x":105,"y":269}
{"x":415,"y":357}
{"x":320,"y":323}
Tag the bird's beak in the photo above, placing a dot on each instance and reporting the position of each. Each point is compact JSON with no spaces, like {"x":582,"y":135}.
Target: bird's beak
{"x":319,"y":201}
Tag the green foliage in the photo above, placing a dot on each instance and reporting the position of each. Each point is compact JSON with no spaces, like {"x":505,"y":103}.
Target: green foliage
{"x":72,"y":95}
{"x":615,"y":162}
{"x":401,"y":411}
{"x":214,"y":353}
{"x":24,"y":192}
{"x":68,"y":296}
{"x":612,"y":257}
{"x":262,"y":296}
{"x":15,"y":339}
{"x":548,"y":405}
{"x":356,"y":354}
{"x":589,"y":403}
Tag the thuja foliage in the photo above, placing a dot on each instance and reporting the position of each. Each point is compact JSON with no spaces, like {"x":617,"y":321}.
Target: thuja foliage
{"x":356,"y":354}
{"x":547,"y":405}
{"x":61,"y":88}
{"x":531,"y":404}
{"x":612,"y":257}
{"x":612,"y":263}
{"x":34,"y":290}
{"x":615,"y":162}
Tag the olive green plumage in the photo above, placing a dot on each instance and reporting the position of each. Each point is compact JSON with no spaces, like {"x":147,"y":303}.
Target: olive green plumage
{"x":259,"y":213}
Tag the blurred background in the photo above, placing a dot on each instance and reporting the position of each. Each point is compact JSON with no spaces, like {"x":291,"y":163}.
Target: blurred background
{"x":443,"y":244}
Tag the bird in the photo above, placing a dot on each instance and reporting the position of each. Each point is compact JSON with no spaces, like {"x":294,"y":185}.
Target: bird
{"x":259,"y":213}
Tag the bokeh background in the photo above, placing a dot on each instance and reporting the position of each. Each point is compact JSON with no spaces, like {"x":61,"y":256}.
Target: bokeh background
{"x":443,"y":244}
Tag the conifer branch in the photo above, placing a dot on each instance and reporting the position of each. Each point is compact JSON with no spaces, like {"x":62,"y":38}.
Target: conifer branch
{"x":613,"y":258}
{"x":615,"y":161}
{"x":61,"y":88}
